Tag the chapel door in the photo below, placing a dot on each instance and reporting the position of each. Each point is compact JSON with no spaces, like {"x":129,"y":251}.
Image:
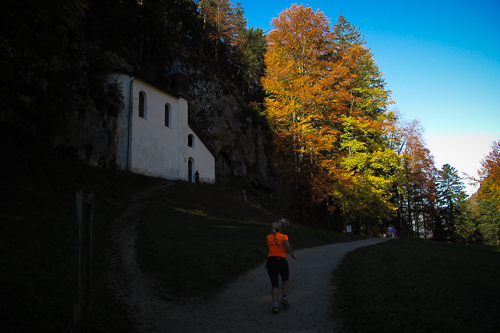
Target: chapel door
{"x":190,"y":171}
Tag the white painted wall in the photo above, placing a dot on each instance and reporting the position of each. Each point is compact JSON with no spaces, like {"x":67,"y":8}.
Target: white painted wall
{"x":204,"y":161}
{"x":146,"y":146}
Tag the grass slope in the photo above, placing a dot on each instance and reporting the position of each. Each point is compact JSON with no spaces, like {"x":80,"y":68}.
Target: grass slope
{"x":193,"y":229}
{"x":197,"y":237}
{"x":414,"y":285}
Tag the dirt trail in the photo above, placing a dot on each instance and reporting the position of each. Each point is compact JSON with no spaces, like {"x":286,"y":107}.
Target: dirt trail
{"x":245,"y":305}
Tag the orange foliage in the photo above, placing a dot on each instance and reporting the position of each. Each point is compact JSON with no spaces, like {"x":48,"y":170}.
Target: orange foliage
{"x":327,"y":120}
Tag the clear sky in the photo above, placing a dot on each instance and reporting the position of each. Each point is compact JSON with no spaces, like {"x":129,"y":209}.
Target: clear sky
{"x":441,"y":60}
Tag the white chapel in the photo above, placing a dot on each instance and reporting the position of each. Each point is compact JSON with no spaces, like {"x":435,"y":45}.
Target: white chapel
{"x":153,"y":135}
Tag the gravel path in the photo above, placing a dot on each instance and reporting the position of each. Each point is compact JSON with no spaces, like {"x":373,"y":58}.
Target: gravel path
{"x":245,"y":305}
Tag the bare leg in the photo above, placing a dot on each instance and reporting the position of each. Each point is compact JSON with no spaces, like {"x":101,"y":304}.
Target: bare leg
{"x":285,"y":287}
{"x":275,"y":293}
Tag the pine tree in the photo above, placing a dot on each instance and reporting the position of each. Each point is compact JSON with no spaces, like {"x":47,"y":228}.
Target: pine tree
{"x":252,"y":56}
{"x":488,"y":222}
{"x":223,"y":25}
{"x":347,"y":34}
{"x":366,"y":127}
{"x":451,"y":197}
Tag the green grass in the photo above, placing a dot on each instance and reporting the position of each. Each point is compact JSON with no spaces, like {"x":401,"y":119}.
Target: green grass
{"x":414,"y":285}
{"x":193,"y":228}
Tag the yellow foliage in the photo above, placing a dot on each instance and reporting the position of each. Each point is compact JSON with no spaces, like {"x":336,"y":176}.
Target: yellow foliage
{"x":327,"y":115}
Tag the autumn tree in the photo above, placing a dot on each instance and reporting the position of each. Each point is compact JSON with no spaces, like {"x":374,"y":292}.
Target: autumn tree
{"x":489,"y":196}
{"x":328,"y":126}
{"x":368,"y":171}
{"x":490,"y":176}
{"x":298,"y":84}
{"x":367,"y":129}
{"x":416,"y":195}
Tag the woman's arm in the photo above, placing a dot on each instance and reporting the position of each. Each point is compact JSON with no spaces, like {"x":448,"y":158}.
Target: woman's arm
{"x":289,"y":248}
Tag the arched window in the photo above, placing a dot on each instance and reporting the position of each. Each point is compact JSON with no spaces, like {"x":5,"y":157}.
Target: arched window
{"x":168,"y":115}
{"x":191,"y":140}
{"x":142,"y":105}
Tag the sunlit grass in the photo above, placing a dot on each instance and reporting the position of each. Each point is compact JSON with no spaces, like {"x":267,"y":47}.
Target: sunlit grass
{"x":12,"y":217}
{"x":197,"y":212}
{"x":228,"y":226}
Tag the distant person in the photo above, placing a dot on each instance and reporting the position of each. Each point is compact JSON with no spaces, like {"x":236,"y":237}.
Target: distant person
{"x":277,"y":244}
{"x":389,"y":231}
{"x":393,"y":231}
{"x":197,"y":177}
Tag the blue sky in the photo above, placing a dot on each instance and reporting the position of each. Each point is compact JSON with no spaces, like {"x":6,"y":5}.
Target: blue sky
{"x":441,"y":60}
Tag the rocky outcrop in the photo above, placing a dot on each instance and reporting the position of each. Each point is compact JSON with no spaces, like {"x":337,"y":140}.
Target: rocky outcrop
{"x":236,"y":135}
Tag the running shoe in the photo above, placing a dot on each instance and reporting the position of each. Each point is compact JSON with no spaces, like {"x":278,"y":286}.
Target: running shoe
{"x":275,"y":309}
{"x":285,"y":303}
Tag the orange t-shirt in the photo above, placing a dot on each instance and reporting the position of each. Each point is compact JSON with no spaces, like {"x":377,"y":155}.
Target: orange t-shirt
{"x":276,"y":250}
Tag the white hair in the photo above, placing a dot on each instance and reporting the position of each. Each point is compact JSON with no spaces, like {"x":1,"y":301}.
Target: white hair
{"x":276,"y":226}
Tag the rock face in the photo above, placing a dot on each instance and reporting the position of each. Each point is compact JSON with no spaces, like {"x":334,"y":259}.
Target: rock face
{"x":221,"y":121}
{"x":89,"y":124}
{"x":236,"y":135}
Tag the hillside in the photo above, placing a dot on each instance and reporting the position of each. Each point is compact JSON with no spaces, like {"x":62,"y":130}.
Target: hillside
{"x":38,"y":186}
{"x":38,"y":213}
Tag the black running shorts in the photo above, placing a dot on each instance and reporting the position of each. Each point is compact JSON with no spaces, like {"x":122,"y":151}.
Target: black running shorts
{"x":275,"y":266}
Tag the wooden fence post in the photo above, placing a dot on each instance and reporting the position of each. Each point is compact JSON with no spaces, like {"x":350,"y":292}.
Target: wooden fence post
{"x":82,"y":304}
